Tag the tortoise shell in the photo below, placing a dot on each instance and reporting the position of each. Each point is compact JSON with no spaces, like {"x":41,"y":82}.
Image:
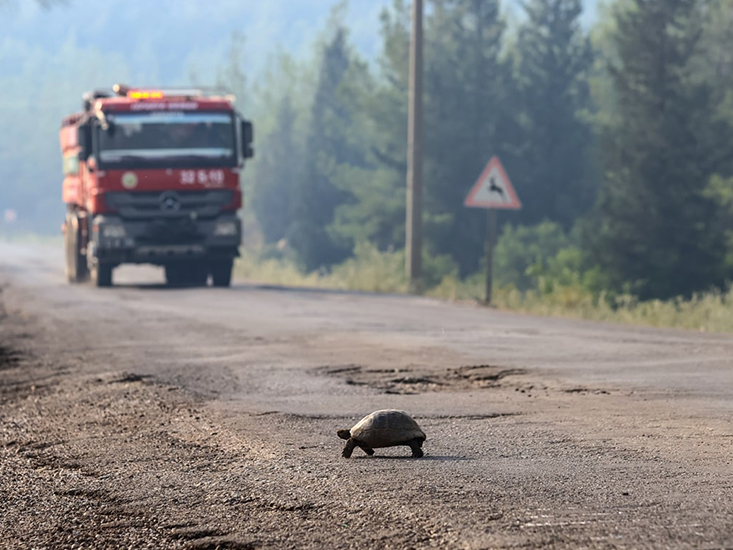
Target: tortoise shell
{"x":387,"y":428}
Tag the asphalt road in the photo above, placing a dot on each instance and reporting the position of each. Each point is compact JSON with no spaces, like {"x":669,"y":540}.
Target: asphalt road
{"x":205,"y":418}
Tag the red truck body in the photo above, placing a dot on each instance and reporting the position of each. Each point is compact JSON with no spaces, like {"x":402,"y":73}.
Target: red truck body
{"x":153,"y":177}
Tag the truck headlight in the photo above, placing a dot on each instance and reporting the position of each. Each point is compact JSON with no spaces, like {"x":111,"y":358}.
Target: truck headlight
{"x":226,"y":229}
{"x":113,"y":232}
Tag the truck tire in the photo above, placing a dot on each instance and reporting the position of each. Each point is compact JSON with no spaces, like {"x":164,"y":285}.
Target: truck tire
{"x":221,"y":273}
{"x":173,"y":275}
{"x":101,"y":275}
{"x":199,"y":274}
{"x":76,"y":262}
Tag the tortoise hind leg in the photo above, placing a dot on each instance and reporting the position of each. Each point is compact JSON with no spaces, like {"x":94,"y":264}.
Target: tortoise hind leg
{"x":349,"y":448}
{"x":366,"y":448}
{"x":416,"y":445}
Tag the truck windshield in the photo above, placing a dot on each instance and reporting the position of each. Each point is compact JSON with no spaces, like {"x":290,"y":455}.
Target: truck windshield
{"x":169,"y":139}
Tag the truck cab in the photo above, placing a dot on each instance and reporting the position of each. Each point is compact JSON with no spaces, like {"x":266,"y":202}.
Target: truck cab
{"x":152,"y":177}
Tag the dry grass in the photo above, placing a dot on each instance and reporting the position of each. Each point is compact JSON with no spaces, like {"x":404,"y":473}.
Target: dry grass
{"x":369,"y":270}
{"x":373,"y":271}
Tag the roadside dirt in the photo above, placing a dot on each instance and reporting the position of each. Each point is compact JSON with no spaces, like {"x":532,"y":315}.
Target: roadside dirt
{"x":119,"y":461}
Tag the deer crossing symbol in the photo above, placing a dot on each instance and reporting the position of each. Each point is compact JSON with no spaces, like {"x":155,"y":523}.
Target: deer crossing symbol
{"x":494,"y":187}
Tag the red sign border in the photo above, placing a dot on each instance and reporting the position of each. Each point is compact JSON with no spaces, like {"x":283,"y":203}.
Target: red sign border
{"x":470,"y":202}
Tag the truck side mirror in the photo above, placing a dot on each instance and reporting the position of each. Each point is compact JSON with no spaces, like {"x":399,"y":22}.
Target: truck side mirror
{"x":84,"y":139}
{"x":247,"y":131}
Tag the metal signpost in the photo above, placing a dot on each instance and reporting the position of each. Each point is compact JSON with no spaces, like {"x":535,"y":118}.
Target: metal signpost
{"x":492,"y":191}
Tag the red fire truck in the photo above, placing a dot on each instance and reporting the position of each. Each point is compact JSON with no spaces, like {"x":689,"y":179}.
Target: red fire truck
{"x":152,"y":176}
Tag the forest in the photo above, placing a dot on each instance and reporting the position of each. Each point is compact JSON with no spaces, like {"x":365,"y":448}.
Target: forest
{"x":617,"y":137}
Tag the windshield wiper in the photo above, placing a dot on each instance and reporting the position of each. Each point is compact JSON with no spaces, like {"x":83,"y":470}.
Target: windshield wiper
{"x":118,"y":158}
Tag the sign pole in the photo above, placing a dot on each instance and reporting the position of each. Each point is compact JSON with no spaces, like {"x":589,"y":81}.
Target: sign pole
{"x":492,"y":191}
{"x":490,"y":242}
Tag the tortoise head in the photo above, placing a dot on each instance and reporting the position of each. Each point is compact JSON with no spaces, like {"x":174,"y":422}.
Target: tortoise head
{"x":344,"y":434}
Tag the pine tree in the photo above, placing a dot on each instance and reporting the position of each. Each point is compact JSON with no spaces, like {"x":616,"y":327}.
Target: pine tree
{"x":716,"y":62}
{"x":232,"y":75}
{"x":554,"y":60}
{"x":467,"y":120}
{"x":715,"y":66}
{"x":653,"y":216}
{"x":277,"y":170}
{"x":329,"y":145}
{"x":377,"y":211}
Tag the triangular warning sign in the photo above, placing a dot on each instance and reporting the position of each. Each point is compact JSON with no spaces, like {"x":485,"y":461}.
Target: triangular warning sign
{"x":493,"y":189}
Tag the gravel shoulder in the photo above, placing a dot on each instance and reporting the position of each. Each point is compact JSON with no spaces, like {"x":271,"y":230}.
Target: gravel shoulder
{"x":129,"y":439}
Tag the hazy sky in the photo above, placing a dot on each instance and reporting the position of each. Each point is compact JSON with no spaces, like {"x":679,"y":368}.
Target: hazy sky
{"x":184,"y":31}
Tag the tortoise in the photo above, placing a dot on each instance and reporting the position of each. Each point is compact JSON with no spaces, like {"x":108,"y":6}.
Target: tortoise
{"x":387,"y":428}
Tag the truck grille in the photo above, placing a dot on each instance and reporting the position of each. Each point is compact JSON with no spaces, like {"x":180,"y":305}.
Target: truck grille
{"x":169,"y":204}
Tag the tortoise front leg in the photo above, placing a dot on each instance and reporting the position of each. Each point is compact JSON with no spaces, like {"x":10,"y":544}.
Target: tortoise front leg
{"x":415,"y":445}
{"x":366,"y":448}
{"x":349,"y":448}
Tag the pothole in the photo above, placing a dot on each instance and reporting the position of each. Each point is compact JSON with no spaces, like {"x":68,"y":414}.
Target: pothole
{"x":412,"y":379}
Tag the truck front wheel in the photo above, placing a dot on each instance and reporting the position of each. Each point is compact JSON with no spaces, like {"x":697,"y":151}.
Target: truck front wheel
{"x":174,"y":275}
{"x":199,"y":275}
{"x":101,"y":274}
{"x":76,"y":263}
{"x":221,"y":273}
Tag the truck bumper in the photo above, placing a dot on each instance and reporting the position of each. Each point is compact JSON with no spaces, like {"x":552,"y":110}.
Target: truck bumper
{"x":159,"y":242}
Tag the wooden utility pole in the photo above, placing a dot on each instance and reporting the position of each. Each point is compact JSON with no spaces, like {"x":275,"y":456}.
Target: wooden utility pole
{"x":413,"y":243}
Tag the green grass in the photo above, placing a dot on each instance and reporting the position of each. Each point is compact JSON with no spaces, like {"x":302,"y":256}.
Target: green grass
{"x":374,"y":271}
